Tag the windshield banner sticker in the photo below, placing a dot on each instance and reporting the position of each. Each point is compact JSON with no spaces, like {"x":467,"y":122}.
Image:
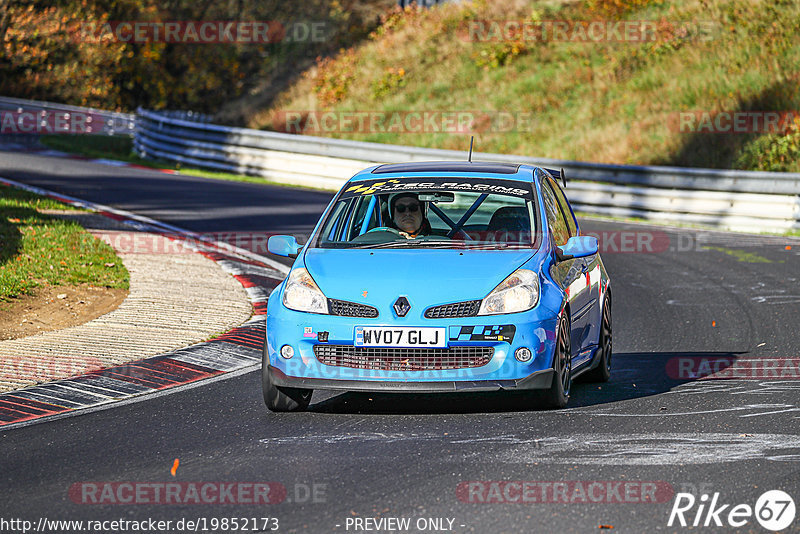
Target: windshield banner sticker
{"x":471,"y":185}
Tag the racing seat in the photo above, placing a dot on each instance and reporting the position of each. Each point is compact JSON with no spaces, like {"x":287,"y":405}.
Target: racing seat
{"x":509,"y":224}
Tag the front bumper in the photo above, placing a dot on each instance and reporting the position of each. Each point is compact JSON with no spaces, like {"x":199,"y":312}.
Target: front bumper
{"x":534,"y":330}
{"x":537,"y":380}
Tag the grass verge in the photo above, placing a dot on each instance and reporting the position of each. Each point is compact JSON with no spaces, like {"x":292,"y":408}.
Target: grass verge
{"x":39,"y":249}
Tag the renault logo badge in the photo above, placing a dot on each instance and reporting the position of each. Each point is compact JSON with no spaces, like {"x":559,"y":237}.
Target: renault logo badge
{"x":401,"y":306}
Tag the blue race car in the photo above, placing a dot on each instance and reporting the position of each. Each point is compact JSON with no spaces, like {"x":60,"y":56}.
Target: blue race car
{"x":440,"y":277}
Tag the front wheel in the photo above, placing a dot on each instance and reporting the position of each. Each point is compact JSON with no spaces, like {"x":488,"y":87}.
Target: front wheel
{"x":558,"y":394}
{"x":282,"y":399}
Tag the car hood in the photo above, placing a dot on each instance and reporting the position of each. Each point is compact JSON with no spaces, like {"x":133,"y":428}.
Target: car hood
{"x":425,"y":277}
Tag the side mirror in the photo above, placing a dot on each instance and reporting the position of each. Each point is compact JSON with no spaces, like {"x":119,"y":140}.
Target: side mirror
{"x":283,"y":245}
{"x":577,"y":247}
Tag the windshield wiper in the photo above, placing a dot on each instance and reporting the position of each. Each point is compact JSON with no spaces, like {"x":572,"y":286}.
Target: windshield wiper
{"x":436,"y":243}
{"x":462,"y":245}
{"x":412,"y":243}
{"x":484,"y":246}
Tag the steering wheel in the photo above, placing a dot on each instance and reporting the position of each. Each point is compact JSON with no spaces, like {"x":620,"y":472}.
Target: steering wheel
{"x":384,"y":229}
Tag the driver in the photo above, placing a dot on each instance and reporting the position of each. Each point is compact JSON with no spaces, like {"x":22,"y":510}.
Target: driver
{"x":408,"y":215}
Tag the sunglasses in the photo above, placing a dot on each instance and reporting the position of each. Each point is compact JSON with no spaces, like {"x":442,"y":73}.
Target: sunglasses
{"x":401,"y":208}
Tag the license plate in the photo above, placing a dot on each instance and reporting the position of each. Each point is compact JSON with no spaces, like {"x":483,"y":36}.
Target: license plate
{"x":401,"y":336}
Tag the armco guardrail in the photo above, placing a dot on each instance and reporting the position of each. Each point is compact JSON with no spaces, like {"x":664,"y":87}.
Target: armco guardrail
{"x":94,"y":121}
{"x":738,"y":200}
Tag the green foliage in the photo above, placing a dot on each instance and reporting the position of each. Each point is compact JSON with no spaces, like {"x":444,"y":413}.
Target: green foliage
{"x":395,"y":20}
{"x":65,"y":51}
{"x":334,"y":76}
{"x":617,"y":7}
{"x":779,"y":152}
{"x":499,"y":55}
{"x":392,"y":80}
{"x":613,"y":99}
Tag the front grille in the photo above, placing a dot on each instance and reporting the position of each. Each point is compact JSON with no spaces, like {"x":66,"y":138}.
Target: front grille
{"x":402,"y":359}
{"x":351,"y":309}
{"x":468,"y":308}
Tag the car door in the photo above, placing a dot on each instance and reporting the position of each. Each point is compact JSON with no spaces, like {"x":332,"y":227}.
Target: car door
{"x":568,"y":272}
{"x":586,"y":299}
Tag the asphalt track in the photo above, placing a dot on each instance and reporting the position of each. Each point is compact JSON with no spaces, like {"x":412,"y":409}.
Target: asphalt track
{"x":379,"y":456}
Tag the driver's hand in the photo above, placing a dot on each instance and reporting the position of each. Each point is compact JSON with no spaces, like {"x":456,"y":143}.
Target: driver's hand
{"x":406,"y":235}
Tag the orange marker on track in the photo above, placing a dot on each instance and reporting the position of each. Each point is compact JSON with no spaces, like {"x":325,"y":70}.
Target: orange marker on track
{"x":175,"y":465}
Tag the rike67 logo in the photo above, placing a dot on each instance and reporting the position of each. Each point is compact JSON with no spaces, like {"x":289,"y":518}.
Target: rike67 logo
{"x":774,"y":510}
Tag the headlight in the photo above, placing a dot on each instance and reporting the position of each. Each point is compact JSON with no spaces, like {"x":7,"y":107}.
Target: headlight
{"x":302,"y":294}
{"x":517,"y":293}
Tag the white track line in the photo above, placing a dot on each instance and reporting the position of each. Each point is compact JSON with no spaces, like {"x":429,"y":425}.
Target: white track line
{"x":137,"y":397}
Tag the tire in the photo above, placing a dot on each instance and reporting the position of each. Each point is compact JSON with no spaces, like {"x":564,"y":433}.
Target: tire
{"x":282,"y":399}
{"x":557,"y":396}
{"x":602,"y":373}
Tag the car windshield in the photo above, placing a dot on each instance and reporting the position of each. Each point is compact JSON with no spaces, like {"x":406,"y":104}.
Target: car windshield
{"x":424,"y":213}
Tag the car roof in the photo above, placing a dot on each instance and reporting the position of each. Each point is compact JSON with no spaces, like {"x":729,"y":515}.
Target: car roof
{"x":448,"y":166}
{"x":481,"y":169}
